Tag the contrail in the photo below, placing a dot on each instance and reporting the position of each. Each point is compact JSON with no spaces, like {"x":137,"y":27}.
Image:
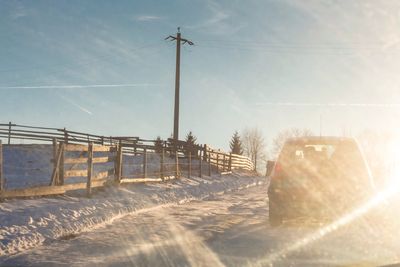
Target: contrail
{"x":76,"y":105}
{"x":375,"y":105}
{"x":80,"y":86}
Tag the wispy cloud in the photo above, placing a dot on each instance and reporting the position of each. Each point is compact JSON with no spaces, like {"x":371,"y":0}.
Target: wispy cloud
{"x":91,"y":57}
{"x":219,"y":21}
{"x":147,"y":18}
{"x":218,"y":15}
{"x":19,"y":11}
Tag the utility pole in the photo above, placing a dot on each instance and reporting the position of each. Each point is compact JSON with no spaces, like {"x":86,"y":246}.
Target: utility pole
{"x":178,"y":40}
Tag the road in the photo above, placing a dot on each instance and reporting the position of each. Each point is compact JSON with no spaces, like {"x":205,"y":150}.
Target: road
{"x":225,"y":230}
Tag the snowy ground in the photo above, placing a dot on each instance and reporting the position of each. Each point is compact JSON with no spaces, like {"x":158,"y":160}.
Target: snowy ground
{"x":222,"y":230}
{"x":26,"y":223}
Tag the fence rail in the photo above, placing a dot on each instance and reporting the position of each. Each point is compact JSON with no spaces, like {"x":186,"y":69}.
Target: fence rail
{"x":84,"y":161}
{"x":228,"y":161}
{"x":12,"y":131}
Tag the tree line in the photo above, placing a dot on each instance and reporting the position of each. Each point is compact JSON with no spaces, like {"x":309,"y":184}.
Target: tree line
{"x":191,"y":145}
{"x":250,"y":142}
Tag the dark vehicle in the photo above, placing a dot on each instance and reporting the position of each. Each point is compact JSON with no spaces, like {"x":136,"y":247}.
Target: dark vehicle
{"x":317,"y":176}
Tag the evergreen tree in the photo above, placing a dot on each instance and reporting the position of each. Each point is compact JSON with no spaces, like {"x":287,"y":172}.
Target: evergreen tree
{"x":191,"y":144}
{"x":236,"y":144}
{"x":170,"y":143}
{"x":190,"y":138}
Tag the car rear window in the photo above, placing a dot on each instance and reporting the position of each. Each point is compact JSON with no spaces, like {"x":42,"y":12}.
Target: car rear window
{"x":334,"y":160}
{"x":297,"y":152}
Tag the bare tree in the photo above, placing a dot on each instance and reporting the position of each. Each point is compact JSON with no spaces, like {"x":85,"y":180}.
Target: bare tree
{"x":280,"y":139}
{"x":253,"y":145}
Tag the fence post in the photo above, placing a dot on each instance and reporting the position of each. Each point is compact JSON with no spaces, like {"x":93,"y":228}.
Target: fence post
{"x":162,"y":165}
{"x":190,"y":165}
{"x":145,"y":163}
{"x":200,"y":165}
{"x":58,"y":165}
{"x":217,"y":162}
{"x":55,"y":153}
{"x":89,"y":170}
{"x":60,"y":180}
{"x":230,"y":162}
{"x":204,"y":148}
{"x":65,"y":136}
{"x":9,"y":132}
{"x":176,"y":165}
{"x":2,"y":187}
{"x":223,"y":162}
{"x":209,"y":164}
{"x":118,"y":162}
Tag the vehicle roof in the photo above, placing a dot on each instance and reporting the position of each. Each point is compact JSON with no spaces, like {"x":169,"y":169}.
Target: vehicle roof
{"x":319,"y":139}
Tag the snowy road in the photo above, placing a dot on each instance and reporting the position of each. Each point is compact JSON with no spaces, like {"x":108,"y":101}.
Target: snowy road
{"x":227,"y":230}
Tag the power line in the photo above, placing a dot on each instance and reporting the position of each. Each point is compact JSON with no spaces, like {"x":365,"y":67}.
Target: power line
{"x":344,"y":105}
{"x":80,"y":86}
{"x":340,"y":45}
{"x":305,"y":52}
{"x":65,"y":69}
{"x":341,"y":49}
{"x":81,"y":63}
{"x":277,"y":51}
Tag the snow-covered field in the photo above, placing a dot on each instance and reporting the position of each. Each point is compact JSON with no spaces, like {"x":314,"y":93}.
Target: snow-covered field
{"x":26,"y":223}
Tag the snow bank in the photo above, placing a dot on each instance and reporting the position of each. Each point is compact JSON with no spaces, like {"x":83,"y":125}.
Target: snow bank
{"x":30,"y":222}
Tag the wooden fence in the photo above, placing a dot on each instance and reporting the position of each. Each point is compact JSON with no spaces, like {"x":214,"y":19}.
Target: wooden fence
{"x":96,"y":161}
{"x":227,"y":161}
{"x":16,"y":132}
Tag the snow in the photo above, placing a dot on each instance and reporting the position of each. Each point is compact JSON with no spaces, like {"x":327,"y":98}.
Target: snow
{"x":27,"y":223}
{"x":27,"y":165}
{"x":223,"y":230}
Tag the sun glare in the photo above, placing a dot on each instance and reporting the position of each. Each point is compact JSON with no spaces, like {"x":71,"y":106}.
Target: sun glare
{"x":391,"y":188}
{"x":393,"y":163}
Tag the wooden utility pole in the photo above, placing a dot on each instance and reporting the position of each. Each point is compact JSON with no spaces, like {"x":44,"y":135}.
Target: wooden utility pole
{"x":178,"y":40}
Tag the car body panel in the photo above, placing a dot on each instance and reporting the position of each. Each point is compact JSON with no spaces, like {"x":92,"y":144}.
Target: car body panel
{"x":319,"y":175}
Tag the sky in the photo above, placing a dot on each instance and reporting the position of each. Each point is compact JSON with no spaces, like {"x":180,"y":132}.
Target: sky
{"x":104,"y":67}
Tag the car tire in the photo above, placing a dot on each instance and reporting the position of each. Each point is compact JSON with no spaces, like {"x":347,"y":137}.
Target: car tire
{"x":275,"y":219}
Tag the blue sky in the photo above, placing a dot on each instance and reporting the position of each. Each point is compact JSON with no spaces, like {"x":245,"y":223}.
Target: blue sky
{"x":266,"y":64}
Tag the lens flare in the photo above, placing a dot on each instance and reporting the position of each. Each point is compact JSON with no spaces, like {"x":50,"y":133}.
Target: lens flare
{"x":391,"y":189}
